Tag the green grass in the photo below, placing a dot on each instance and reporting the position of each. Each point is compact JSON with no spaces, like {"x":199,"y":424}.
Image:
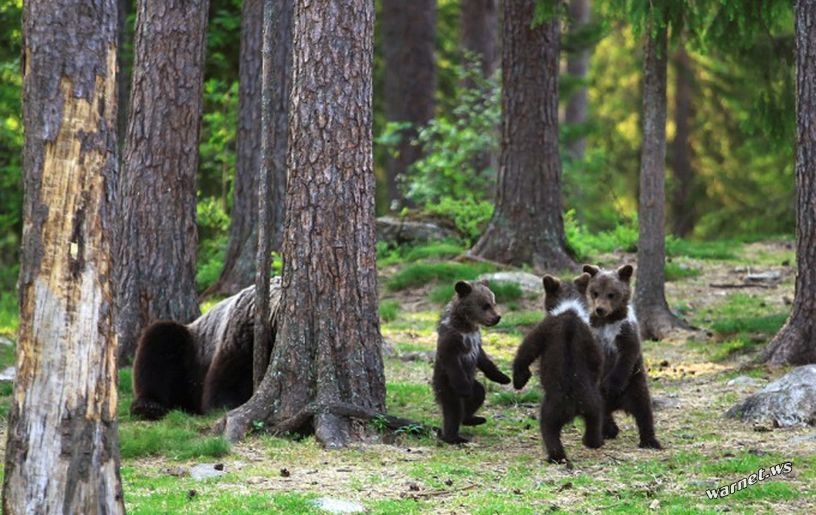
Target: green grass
{"x":677,"y":272}
{"x":419,"y":274}
{"x":178,"y":435}
{"x":9,"y":319}
{"x":389,"y":310}
{"x":714,"y":250}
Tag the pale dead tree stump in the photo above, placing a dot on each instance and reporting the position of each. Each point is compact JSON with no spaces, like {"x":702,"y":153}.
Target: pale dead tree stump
{"x":62,"y":453}
{"x":795,"y":344}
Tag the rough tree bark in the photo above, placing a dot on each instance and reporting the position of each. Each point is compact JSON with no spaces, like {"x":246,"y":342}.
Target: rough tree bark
{"x":326,"y":365}
{"x":62,"y":452}
{"x":156,"y":251}
{"x":479,"y":32}
{"x":275,"y":86}
{"x":795,"y":343}
{"x":655,"y":318}
{"x":409,"y":32}
{"x":683,"y":212}
{"x":527,"y":225}
{"x":577,"y":66}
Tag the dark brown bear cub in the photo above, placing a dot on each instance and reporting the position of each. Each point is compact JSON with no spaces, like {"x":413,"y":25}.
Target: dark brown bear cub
{"x":615,"y":327}
{"x":570,"y":366}
{"x":459,"y":353}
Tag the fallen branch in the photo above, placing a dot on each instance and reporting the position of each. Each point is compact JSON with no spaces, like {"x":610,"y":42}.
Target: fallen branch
{"x":742,"y":285}
{"x":341,"y":409}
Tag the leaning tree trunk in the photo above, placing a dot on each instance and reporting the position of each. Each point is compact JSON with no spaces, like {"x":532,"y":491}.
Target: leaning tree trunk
{"x":795,"y":344}
{"x":683,"y":212}
{"x":156,"y":250}
{"x":577,"y":67}
{"x":327,"y":354}
{"x":655,"y":318}
{"x":62,"y":452}
{"x":527,"y":225}
{"x":409,"y":31}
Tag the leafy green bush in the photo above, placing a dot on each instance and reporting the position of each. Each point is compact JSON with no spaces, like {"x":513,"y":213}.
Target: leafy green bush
{"x":213,"y":226}
{"x":586,"y":244}
{"x":389,"y":309}
{"x":423,"y":273}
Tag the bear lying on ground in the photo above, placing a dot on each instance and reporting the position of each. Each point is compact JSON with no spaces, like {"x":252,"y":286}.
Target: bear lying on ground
{"x":615,"y":326}
{"x":570,"y":365}
{"x":201,"y":366}
{"x":459,"y":353}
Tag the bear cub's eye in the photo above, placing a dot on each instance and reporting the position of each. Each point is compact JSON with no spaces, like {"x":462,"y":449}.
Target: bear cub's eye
{"x":486,"y":307}
{"x":594,"y":294}
{"x":610,"y":296}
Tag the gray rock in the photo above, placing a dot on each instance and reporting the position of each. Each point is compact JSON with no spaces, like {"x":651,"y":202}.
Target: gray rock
{"x":206,"y":471}
{"x":6,"y":341}
{"x":338,"y":505}
{"x":788,"y":401}
{"x":742,"y":381}
{"x":395,"y":231}
{"x":529,"y":283}
{"x":8,"y":374}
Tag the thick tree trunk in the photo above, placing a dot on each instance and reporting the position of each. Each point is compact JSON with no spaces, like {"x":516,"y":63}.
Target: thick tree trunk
{"x":527,"y":226}
{"x":275,"y":86}
{"x":327,"y":351}
{"x":124,"y":61}
{"x":157,"y":248}
{"x":577,"y":66}
{"x":409,"y":31}
{"x":62,"y":452}
{"x":479,"y":32}
{"x":239,"y":261}
{"x":683,"y":212}
{"x":655,"y":318}
{"x":795,"y":344}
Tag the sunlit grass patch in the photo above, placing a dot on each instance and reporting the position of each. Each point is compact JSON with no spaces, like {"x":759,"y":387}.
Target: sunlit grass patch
{"x":389,"y":309}
{"x":720,"y":249}
{"x":9,"y":316}
{"x":178,"y":435}
{"x":677,"y":271}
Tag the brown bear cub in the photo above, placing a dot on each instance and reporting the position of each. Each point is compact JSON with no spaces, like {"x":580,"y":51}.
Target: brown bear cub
{"x":459,"y":353}
{"x":613,"y":322}
{"x":570,"y":365}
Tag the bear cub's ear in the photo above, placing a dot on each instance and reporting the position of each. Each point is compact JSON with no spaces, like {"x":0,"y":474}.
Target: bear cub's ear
{"x":582,"y":281}
{"x":591,"y":270}
{"x":463,"y":288}
{"x":551,"y":284}
{"x":625,"y":273}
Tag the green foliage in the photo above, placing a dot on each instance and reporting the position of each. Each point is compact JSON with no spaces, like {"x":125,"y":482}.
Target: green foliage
{"x":721,"y":249}
{"x":585,"y":244}
{"x":9,"y":314}
{"x":423,"y":273}
{"x":213,"y":225}
{"x":217,"y":147}
{"x":469,"y":216}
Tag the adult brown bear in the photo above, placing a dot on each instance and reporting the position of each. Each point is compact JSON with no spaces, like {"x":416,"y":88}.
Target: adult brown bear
{"x":200,"y":366}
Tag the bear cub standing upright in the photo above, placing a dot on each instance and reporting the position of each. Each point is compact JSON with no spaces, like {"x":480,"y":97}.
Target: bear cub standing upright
{"x":459,"y":353}
{"x":613,"y":322}
{"x":570,"y":365}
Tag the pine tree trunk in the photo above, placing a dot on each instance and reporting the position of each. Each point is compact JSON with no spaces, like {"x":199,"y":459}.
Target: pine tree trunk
{"x":157,"y":249}
{"x":527,"y":226}
{"x":239,"y":260}
{"x":328,"y":345}
{"x":62,"y":452}
{"x":795,"y":344}
{"x":479,"y":32}
{"x":409,"y":32}
{"x":577,"y":66}
{"x":650,"y":292}
{"x":683,"y":212}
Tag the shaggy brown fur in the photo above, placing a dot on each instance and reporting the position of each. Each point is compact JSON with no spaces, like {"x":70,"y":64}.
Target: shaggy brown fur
{"x":570,"y":365}
{"x":613,"y":322}
{"x":459,"y":353}
{"x":201,"y":366}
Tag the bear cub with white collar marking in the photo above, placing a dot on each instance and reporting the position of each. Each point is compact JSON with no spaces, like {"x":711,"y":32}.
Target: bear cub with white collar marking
{"x":615,"y":327}
{"x":570,"y":364}
{"x":459,"y":353}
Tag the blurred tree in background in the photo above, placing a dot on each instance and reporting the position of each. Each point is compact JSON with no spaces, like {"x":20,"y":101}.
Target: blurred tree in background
{"x":734,"y":144}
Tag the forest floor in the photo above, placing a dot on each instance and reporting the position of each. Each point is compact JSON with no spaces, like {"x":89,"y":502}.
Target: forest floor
{"x":695,"y":377}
